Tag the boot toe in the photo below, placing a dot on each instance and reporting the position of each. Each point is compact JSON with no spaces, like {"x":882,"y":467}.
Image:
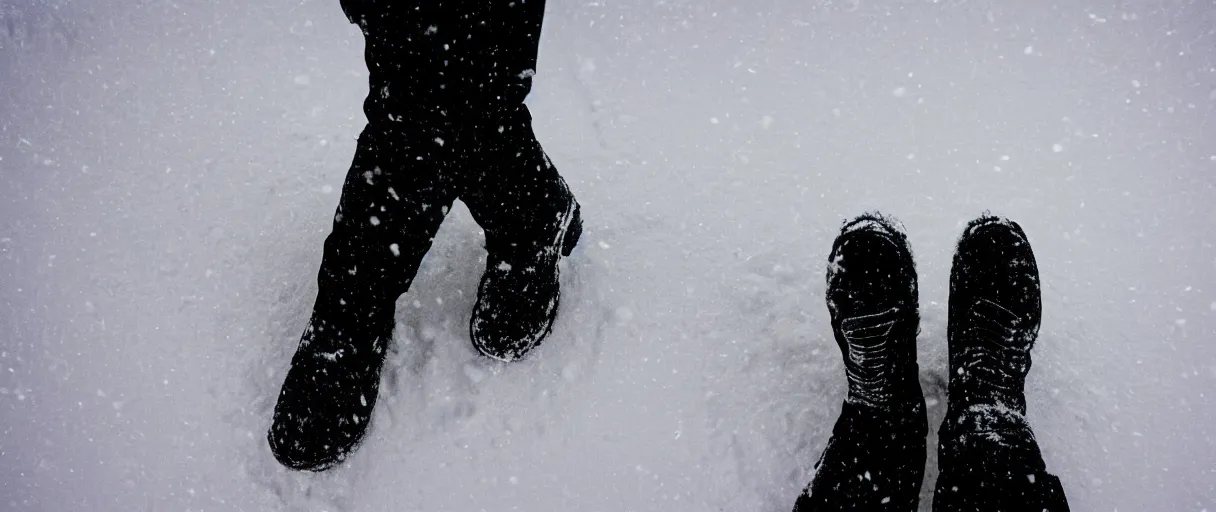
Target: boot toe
{"x":295,"y":448}
{"x":315,"y":428}
{"x":327,"y":398}
{"x":870,"y":269}
{"x":994,"y":262}
{"x":507,"y":326}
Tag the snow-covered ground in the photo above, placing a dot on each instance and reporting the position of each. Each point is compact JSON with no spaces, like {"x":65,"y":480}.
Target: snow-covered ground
{"x":169,"y":170}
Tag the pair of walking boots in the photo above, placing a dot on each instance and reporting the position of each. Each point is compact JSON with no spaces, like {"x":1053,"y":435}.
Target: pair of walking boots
{"x":397,"y":193}
{"x":446,"y":120}
{"x":987,"y":456}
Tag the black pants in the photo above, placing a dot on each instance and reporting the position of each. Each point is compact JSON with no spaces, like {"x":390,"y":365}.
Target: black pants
{"x":988,"y":461}
{"x":446,"y":120}
{"x":460,"y":60}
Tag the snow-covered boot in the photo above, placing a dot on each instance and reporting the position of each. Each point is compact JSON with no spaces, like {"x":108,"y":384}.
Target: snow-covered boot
{"x":872,"y":298}
{"x":988,"y":456}
{"x":392,"y":204}
{"x":995,"y":311}
{"x":519,"y":293}
{"x":329,"y":393}
{"x":875,"y":458}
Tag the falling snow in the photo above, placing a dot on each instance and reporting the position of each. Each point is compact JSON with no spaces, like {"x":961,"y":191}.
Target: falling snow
{"x":184,"y":170}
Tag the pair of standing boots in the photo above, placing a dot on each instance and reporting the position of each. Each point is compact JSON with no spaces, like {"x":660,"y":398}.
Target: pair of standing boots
{"x":446,"y":120}
{"x":987,"y":454}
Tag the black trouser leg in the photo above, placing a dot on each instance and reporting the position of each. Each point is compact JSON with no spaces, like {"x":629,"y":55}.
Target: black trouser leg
{"x":515,"y":27}
{"x":468,"y":66}
{"x":989,"y":460}
{"x":396,"y":195}
{"x":512,"y":189}
{"x":392,"y":203}
{"x":875,"y":460}
{"x":461,"y":62}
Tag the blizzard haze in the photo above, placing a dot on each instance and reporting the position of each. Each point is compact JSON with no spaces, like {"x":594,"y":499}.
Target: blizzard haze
{"x":168,"y":172}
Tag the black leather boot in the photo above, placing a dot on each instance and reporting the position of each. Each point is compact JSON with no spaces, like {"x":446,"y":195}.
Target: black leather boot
{"x":876,"y":456}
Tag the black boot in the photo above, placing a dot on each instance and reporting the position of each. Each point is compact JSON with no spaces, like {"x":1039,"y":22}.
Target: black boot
{"x":531,"y":220}
{"x":329,"y":393}
{"x":876,"y":456}
{"x":872,"y":298}
{"x":995,"y":310}
{"x":519,"y":293}
{"x":988,"y":456}
{"x":393,"y":201}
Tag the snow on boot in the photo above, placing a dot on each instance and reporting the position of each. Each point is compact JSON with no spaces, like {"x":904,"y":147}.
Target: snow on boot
{"x":518,"y":296}
{"x":995,"y":311}
{"x":987,"y":453}
{"x":876,"y":456}
{"x":327,"y":398}
{"x":872,"y":299}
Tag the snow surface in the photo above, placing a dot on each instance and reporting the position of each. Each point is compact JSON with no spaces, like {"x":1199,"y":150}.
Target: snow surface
{"x":169,"y":171}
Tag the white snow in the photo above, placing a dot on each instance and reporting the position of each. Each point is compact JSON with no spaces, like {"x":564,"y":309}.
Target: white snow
{"x":692,"y":366}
